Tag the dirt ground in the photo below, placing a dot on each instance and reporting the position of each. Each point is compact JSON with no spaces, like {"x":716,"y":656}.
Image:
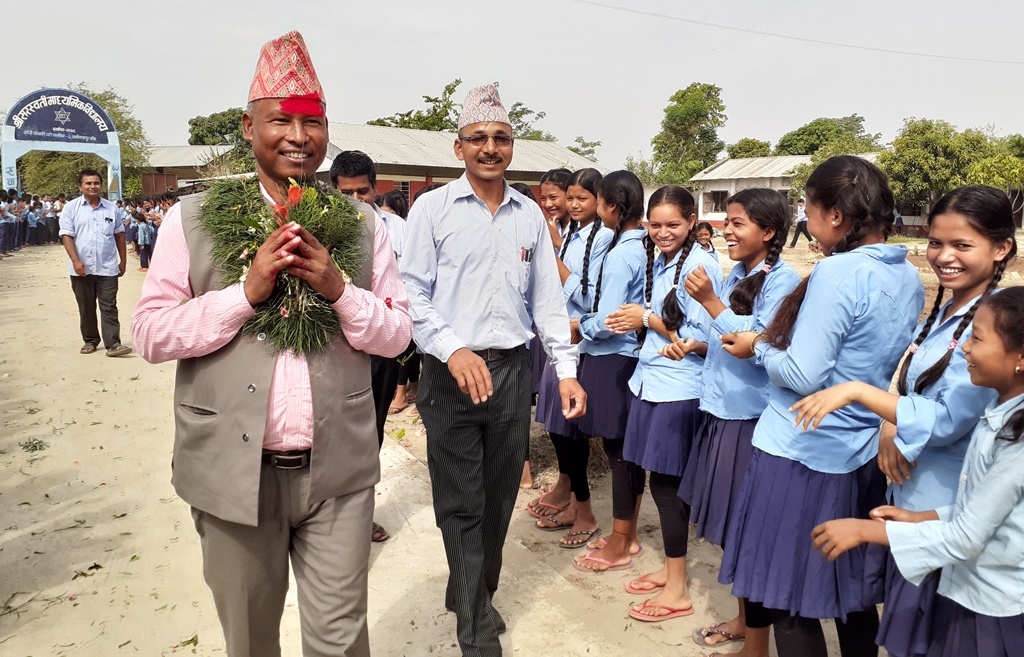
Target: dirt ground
{"x":99,"y":557}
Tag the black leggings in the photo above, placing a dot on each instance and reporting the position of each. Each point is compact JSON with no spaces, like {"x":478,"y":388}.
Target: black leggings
{"x":627,"y":480}
{"x":675,"y":514}
{"x":796,"y":636}
{"x":573,"y":457}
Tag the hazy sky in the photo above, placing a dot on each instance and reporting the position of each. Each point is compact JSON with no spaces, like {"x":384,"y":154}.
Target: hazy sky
{"x":597,"y":72}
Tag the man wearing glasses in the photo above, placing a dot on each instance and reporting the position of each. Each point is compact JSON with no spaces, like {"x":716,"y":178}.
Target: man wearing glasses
{"x":479,"y":269}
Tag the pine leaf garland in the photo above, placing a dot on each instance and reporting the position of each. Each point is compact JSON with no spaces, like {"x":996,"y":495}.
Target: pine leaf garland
{"x":238,"y":220}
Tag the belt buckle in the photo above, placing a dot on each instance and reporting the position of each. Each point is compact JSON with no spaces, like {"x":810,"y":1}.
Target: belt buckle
{"x":294,"y":462}
{"x":494,"y":354}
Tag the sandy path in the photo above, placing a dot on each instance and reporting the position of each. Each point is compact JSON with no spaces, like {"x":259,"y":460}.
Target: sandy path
{"x":99,"y":557}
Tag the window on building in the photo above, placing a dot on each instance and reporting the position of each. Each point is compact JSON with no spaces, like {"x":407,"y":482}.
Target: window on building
{"x":402,"y":186}
{"x":715,"y":201}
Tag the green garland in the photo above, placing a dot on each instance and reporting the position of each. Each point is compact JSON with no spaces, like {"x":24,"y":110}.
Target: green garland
{"x":238,"y":220}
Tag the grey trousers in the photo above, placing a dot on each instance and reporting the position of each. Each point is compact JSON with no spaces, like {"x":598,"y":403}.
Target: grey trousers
{"x":328,"y":543}
{"x":475,"y":454}
{"x":102,"y":290}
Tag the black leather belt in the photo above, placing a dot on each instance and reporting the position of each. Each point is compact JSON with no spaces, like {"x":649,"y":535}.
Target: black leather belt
{"x":295,"y":460}
{"x":491,"y":355}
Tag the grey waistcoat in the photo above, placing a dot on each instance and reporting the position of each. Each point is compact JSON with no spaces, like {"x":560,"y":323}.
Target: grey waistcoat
{"x":220,"y":407}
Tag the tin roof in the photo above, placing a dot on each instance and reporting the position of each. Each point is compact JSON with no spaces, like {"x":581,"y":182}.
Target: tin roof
{"x":425,"y":148}
{"x":185,"y":156}
{"x":775,"y":166}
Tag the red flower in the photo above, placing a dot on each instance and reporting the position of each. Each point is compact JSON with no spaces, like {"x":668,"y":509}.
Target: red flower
{"x":387,"y":302}
{"x":284,"y":312}
{"x":294,"y":195}
{"x":281,"y":211}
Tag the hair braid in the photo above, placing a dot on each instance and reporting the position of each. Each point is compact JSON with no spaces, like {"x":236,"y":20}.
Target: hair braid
{"x":932,"y":374}
{"x":741,"y":300}
{"x":926,"y":328}
{"x":600,"y":274}
{"x":641,"y":333}
{"x":573,"y":227}
{"x":585,"y":276}
{"x":671,"y":312}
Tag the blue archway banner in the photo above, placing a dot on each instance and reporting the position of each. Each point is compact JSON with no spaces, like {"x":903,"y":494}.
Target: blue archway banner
{"x":60,"y":120}
{"x":59,"y":115}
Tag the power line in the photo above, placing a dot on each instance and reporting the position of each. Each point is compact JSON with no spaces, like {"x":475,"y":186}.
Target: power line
{"x":790,"y":37}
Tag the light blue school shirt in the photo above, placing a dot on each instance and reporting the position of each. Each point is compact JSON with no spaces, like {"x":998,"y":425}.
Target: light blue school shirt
{"x":934,"y":428}
{"x":660,"y":379}
{"x":622,"y":281}
{"x":93,"y":231}
{"x":978,"y":542}
{"x":31,"y":218}
{"x":474,"y":279}
{"x":737,"y":388}
{"x":854,"y":325}
{"x":578,"y":301}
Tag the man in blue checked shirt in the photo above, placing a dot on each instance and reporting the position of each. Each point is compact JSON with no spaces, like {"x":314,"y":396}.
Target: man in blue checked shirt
{"x":94,"y":240}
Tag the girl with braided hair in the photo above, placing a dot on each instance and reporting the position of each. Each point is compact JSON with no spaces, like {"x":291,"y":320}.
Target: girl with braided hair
{"x":975,"y":542}
{"x":733,"y":389}
{"x":927,"y":426}
{"x":582,"y":253}
{"x":610,"y":358}
{"x":851,"y":320}
{"x":664,"y":411}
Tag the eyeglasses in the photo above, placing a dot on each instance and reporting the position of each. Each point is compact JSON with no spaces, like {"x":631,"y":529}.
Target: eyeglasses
{"x":480,"y":140}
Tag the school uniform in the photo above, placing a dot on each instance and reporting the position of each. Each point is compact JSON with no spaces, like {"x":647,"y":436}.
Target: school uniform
{"x":977,"y":544}
{"x":664,"y":410}
{"x":855,"y":323}
{"x":734,"y":393}
{"x":578,"y":301}
{"x":609,"y":359}
{"x":934,"y":431}
{"x":539,"y":359}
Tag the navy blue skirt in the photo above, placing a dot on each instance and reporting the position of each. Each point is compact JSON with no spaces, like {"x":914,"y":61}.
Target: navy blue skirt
{"x":549,"y":405}
{"x":538,"y":361}
{"x":768,"y":555}
{"x":714,"y":474}
{"x":659,"y":434}
{"x":606,"y":381}
{"x":908,"y":615}
{"x":960,"y":632}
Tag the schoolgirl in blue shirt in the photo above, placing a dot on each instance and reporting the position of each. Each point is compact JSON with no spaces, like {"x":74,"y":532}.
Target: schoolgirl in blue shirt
{"x":553,"y":186}
{"x":850,"y":320}
{"x":581,"y":255}
{"x":733,"y":390}
{"x":664,"y":411}
{"x":705,"y":232}
{"x":977,"y":541}
{"x":928,"y":425}
{"x":610,"y":359}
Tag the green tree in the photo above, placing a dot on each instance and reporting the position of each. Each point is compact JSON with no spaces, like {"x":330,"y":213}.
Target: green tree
{"x":523,"y":118}
{"x":807,"y":139}
{"x":688,"y":141}
{"x":45,"y":172}
{"x":642,"y":167}
{"x":585,"y":148}
{"x":930,"y":157}
{"x":219,"y":128}
{"x":749,"y":147}
{"x":1002,"y":171}
{"x":844,"y":144}
{"x":441,"y":114}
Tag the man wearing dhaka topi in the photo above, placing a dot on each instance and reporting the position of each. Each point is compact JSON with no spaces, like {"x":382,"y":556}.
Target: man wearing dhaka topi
{"x":275,"y":445}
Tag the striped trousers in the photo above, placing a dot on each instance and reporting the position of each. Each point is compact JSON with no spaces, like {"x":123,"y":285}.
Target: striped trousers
{"x":475,"y":455}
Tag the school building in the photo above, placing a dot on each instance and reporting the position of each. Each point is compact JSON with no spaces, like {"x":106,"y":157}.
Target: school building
{"x":407,"y":160}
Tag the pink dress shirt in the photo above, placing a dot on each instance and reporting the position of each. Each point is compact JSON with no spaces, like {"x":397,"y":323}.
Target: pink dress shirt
{"x":165,"y":327}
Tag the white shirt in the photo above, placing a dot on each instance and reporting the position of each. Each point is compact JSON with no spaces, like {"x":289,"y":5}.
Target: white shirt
{"x":93,"y":230}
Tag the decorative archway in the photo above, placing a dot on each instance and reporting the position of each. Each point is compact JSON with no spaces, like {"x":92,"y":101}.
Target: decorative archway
{"x":60,"y":120}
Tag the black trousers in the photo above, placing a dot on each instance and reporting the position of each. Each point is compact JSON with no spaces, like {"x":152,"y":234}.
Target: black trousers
{"x":91,"y":291}
{"x":475,"y":455}
{"x":383,"y":381}
{"x":801,"y":229}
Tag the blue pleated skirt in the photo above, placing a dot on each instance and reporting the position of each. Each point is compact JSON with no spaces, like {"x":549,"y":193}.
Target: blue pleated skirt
{"x":909,"y":612}
{"x":959,"y":632}
{"x":549,"y":405}
{"x":606,"y":381}
{"x":768,"y":554}
{"x":714,"y":474}
{"x":659,"y":434}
